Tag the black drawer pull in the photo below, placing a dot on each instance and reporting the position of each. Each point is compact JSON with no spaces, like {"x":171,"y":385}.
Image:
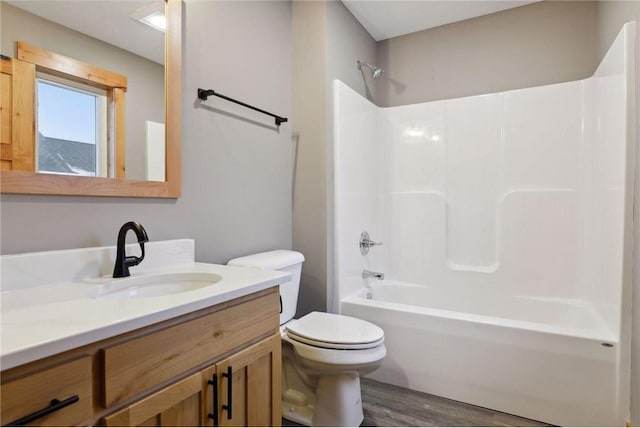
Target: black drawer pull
{"x":228,"y":407}
{"x":54,"y":406}
{"x":214,"y":383}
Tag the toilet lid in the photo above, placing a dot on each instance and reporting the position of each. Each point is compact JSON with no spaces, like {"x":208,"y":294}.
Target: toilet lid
{"x":335,"y":331}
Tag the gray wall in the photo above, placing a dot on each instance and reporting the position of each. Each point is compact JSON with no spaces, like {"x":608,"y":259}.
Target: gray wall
{"x":537,"y":44}
{"x":328,"y":41}
{"x":236,"y":168}
{"x":309,"y":124}
{"x":145,"y":95}
{"x":347,"y":42}
{"x":611,"y":15}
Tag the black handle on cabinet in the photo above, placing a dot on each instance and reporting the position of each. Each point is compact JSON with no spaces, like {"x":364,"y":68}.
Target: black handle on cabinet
{"x":229,"y":405}
{"x":54,"y":406}
{"x":214,"y":383}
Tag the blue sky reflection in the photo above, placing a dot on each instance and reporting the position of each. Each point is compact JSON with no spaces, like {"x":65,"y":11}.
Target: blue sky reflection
{"x":66,"y":114}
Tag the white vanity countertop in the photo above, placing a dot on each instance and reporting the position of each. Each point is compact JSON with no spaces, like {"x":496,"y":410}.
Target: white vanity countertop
{"x":44,"y":320}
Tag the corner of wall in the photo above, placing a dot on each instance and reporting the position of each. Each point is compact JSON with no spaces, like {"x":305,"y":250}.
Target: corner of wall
{"x":309,"y":122}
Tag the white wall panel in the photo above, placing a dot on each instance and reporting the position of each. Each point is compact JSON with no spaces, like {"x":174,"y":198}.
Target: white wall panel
{"x":358,"y":184}
{"x":474,"y":172}
{"x":543,"y":134}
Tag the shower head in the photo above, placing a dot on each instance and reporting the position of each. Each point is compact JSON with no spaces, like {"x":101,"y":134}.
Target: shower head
{"x":375,"y":71}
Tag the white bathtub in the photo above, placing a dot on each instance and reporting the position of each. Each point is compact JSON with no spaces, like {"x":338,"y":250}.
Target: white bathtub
{"x":552,"y":360}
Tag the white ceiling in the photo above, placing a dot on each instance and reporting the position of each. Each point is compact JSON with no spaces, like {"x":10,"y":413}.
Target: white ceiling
{"x":107,"y":20}
{"x":384,"y":19}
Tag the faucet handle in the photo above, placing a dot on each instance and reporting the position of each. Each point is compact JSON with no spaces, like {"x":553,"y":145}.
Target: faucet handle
{"x":366,"y":243}
{"x":134,"y":259}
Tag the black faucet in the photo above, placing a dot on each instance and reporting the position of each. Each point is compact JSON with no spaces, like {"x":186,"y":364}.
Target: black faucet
{"x":121,"y":269}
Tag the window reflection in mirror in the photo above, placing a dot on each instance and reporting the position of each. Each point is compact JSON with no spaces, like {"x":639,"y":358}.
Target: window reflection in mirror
{"x":71,"y":128}
{"x":44,"y":24}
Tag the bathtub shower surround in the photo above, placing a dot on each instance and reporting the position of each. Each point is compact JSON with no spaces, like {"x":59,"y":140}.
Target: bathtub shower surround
{"x":503,"y":219}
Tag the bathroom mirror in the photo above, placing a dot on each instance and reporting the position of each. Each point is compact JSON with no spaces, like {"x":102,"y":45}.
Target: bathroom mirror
{"x":166,"y":181}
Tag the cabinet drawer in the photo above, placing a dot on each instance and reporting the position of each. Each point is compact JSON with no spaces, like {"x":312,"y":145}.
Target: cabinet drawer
{"x":29,"y":394}
{"x":135,"y":366}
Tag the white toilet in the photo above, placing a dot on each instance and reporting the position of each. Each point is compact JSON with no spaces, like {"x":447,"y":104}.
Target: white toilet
{"x":323,"y":355}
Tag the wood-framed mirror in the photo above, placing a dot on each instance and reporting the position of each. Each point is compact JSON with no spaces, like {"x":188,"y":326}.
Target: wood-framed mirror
{"x":115,"y":184}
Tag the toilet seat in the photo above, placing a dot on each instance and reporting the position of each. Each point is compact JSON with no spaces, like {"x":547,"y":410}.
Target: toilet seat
{"x":355,"y":358}
{"x":336,"y":346}
{"x":332,"y":331}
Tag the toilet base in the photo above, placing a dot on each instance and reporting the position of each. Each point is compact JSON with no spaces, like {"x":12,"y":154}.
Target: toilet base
{"x":338,"y":402}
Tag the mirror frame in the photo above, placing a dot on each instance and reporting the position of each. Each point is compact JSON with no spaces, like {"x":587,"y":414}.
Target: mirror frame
{"x":23,"y":182}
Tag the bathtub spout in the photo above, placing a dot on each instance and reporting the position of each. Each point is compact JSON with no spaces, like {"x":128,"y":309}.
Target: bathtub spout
{"x":369,"y":274}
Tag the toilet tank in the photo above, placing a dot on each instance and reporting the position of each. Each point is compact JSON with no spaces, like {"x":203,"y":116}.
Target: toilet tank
{"x":280,"y":260}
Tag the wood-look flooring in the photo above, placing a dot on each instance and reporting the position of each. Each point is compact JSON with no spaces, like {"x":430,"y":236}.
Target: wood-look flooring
{"x":393,"y":406}
{"x":390,"y":405}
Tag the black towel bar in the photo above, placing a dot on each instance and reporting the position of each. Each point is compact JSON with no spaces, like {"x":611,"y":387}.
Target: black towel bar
{"x":203,"y":94}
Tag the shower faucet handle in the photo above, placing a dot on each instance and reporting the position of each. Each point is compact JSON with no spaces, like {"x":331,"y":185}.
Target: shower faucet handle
{"x":366,"y":243}
{"x":369,"y":243}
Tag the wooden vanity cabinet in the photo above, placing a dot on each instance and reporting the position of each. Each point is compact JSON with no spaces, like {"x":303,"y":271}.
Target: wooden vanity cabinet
{"x":250,"y":398}
{"x":221,"y":362}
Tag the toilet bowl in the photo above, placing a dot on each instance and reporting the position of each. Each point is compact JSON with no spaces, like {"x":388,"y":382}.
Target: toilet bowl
{"x":323,"y":354}
{"x":328,"y":353}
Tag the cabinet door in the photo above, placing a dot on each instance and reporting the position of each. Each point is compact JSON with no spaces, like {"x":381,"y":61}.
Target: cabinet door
{"x":249,"y":386}
{"x":179,"y":404}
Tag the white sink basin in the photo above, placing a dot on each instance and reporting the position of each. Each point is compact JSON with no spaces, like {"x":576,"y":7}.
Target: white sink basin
{"x":156,"y":285}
